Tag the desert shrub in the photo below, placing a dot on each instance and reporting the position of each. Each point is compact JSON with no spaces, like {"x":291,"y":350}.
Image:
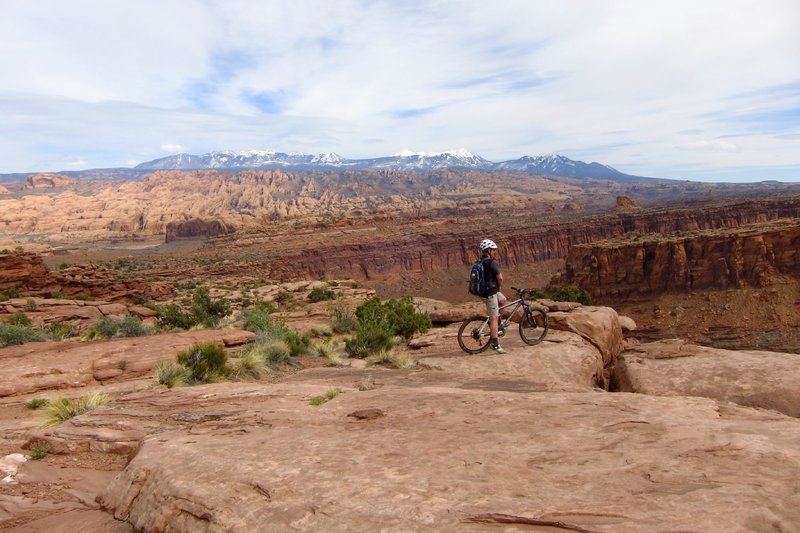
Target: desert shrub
{"x":105,"y":328}
{"x":58,"y":331}
{"x":39,"y":451}
{"x":258,"y":318}
{"x":170,"y":373}
{"x":62,"y":409}
{"x":132,"y":326}
{"x":343,"y":318}
{"x":30,"y":304}
{"x":378,"y":323}
{"x":138,"y":299}
{"x":298,"y":343}
{"x":14,"y":335}
{"x":37,"y":403}
{"x":370,"y":338}
{"x":321,"y":294}
{"x":400,"y":361}
{"x":207,"y":311}
{"x":250,"y":365}
{"x":318,"y":332}
{"x":83,"y":297}
{"x":572,"y":294}
{"x":274,"y":353}
{"x":7,"y":294}
{"x":284,"y":298}
{"x":60,"y":295}
{"x":205,"y":362}
{"x":20,"y":319}
{"x":171,"y":316}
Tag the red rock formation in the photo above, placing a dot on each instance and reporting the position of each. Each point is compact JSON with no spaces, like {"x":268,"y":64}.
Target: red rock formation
{"x":748,"y":255}
{"x":21,"y":270}
{"x":48,"y":181}
{"x":626,"y":202}
{"x":196,"y":227}
{"x":28,"y":274}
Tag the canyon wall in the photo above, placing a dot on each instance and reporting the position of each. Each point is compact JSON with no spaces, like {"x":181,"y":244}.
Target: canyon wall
{"x":414,"y":247}
{"x":749,"y":255}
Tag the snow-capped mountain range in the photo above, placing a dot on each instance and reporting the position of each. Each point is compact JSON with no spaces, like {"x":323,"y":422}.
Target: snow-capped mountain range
{"x":552,"y":164}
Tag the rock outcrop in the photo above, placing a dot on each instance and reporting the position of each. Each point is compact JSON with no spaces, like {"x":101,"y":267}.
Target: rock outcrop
{"x":48,"y":181}
{"x":29,"y":276}
{"x":197,"y":228}
{"x":765,"y":380}
{"x":736,"y":257}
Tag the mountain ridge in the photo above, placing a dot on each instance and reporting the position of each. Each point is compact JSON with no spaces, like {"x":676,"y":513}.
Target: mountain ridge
{"x":550,"y":164}
{"x":406,"y":160}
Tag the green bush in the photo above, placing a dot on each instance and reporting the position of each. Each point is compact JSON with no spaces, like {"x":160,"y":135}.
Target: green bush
{"x":60,"y":295}
{"x":138,"y":299}
{"x":207,"y":311}
{"x":378,"y":323}
{"x":205,"y":362}
{"x":343,"y":319}
{"x":105,"y":328}
{"x":320,"y":294}
{"x":20,"y":319}
{"x":9,"y":293}
{"x":171,"y":316}
{"x":83,"y":297}
{"x":572,"y":294}
{"x":258,"y":317}
{"x":37,"y":403}
{"x":131,"y":326}
{"x":12,"y":335}
{"x":298,"y":343}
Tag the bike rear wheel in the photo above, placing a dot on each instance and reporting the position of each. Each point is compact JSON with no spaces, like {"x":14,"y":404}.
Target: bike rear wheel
{"x":473,"y":335}
{"x":533,"y":326}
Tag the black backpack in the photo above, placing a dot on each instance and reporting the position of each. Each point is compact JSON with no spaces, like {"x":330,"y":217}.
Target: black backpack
{"x":477,"y":280}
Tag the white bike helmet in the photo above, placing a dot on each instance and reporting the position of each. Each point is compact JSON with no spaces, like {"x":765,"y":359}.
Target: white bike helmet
{"x":487,"y":244}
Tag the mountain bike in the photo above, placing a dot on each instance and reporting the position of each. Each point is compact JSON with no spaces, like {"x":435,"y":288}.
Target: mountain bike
{"x":473,"y":335}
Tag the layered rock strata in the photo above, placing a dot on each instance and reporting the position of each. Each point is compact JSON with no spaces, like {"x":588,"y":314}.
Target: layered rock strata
{"x":732,"y":257}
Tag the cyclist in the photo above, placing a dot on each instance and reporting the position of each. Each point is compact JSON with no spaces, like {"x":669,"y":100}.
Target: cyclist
{"x":495,"y":298}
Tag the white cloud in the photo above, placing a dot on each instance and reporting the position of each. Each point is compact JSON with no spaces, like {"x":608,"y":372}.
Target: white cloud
{"x":173,"y":148}
{"x":623,"y":83}
{"x":716,"y":146}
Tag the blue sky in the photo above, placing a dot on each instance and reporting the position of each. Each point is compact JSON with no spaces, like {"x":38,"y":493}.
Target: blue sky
{"x":703,"y":90}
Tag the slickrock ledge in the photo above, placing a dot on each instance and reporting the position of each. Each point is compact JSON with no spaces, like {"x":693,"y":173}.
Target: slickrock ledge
{"x":767,"y":380}
{"x":442,"y":457}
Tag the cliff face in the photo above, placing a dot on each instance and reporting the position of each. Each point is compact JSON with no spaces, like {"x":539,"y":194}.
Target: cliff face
{"x":750,"y":255}
{"x":28,"y":274}
{"x":379,"y":251}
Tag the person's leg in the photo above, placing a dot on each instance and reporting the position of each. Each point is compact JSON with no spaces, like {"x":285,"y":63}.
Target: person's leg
{"x":493,"y":310}
{"x":494,"y":316}
{"x":501,"y":301}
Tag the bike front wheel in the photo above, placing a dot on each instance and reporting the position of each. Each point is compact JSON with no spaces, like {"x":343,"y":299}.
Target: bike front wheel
{"x":533,"y":326}
{"x":473,"y":335}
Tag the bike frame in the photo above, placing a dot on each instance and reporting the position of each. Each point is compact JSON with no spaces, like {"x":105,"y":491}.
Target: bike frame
{"x":518,"y":303}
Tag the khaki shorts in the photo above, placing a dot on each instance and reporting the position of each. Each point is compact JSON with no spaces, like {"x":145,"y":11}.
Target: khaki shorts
{"x":493,"y":303}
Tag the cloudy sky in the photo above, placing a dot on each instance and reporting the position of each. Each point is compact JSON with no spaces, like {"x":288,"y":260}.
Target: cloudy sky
{"x":687,"y":89}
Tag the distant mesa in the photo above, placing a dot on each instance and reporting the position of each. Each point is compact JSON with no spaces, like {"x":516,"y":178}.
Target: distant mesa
{"x":626,"y":202}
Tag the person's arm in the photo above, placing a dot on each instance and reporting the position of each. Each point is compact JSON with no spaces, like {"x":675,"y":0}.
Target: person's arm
{"x":499,"y":281}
